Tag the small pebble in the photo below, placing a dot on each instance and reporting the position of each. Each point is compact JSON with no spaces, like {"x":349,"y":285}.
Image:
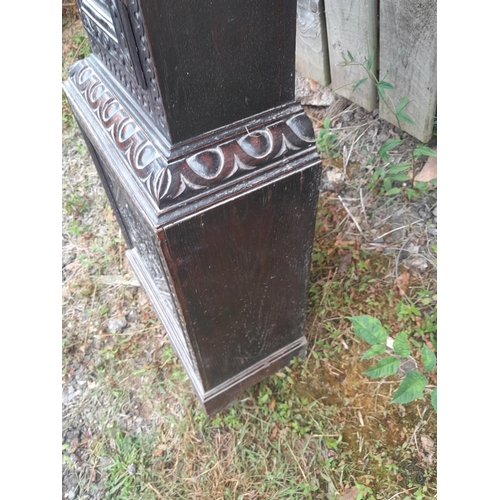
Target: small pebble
{"x":116,"y":325}
{"x":347,"y":117}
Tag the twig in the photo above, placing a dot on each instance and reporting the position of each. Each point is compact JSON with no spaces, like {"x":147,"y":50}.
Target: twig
{"x":399,"y":254}
{"x":363,"y":204}
{"x":316,"y":317}
{"x":353,"y":144}
{"x":301,"y":470}
{"x":155,"y":490}
{"x":401,"y":492}
{"x":345,"y":162}
{"x":77,"y":51}
{"x":350,"y":214}
{"x":397,"y":229}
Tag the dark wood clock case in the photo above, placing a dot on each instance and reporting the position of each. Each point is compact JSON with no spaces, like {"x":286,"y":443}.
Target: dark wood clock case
{"x":187,"y":108}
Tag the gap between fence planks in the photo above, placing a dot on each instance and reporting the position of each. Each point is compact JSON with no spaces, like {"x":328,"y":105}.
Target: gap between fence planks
{"x":352,"y":26}
{"x":408,"y":56}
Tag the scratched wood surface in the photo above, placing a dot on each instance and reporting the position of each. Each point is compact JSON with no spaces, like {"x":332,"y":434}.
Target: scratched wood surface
{"x":408,"y":56}
{"x":352,"y":26}
{"x":311,"y":57}
{"x":220,"y":61}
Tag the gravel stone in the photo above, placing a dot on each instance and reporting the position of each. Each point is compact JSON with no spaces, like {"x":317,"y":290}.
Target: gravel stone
{"x":347,"y":117}
{"x":116,"y":325}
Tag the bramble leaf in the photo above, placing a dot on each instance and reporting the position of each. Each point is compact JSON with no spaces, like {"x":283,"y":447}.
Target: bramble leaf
{"x":411,"y":388}
{"x":428,"y":358}
{"x":373,"y":351}
{"x":386,"y":366}
{"x":401,"y":345}
{"x":369,"y":329}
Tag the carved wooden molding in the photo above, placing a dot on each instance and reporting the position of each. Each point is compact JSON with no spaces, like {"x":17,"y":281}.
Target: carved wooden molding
{"x":169,"y":181}
{"x":117,"y":53}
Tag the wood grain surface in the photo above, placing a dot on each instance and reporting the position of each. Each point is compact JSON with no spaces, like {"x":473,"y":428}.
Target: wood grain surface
{"x":352,"y":26}
{"x":408,"y":55}
{"x":312,"y":45}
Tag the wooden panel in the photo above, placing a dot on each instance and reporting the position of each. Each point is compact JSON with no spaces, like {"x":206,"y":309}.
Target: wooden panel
{"x":408,"y":54}
{"x":221,"y":61}
{"x":352,"y":26}
{"x":312,"y":46}
{"x":240,"y":272}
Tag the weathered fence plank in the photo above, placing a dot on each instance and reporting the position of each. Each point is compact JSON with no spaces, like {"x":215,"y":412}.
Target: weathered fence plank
{"x":352,"y":26}
{"x":408,"y":57}
{"x":312,"y":46}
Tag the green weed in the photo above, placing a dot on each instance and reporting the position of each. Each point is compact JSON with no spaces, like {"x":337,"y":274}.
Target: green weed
{"x":130,"y":468}
{"x":326,"y":140}
{"x":393,"y":177}
{"x":413,"y":385}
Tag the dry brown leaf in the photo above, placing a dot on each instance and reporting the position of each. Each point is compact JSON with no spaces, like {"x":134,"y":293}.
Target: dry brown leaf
{"x":344,"y":263}
{"x":351,"y":494}
{"x":160,"y":449}
{"x":402,"y":282}
{"x":427,"y":449}
{"x":429,"y":170}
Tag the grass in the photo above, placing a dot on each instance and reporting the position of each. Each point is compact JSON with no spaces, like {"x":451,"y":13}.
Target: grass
{"x":319,"y":429}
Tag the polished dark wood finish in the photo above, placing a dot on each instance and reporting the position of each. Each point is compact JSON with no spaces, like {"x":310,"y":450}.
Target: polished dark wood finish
{"x":217,"y":203}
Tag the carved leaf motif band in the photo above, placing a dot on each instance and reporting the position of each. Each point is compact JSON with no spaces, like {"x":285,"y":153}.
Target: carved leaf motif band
{"x":168,"y":181}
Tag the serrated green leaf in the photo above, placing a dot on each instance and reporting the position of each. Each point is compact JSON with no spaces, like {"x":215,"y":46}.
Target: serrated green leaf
{"x":393,"y":191}
{"x":399,"y":177}
{"x":401,"y":345}
{"x":411,"y":388}
{"x":422,"y":150}
{"x":387,"y":146}
{"x":373,"y":351}
{"x":386,"y":366}
{"x":369,"y":329}
{"x":363,"y":80}
{"x":400,"y":167}
{"x":428,"y":358}
{"x":434,"y":399}
{"x":350,"y":56}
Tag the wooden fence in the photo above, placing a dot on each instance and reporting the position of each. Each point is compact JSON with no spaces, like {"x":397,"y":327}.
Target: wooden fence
{"x":401,"y":35}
